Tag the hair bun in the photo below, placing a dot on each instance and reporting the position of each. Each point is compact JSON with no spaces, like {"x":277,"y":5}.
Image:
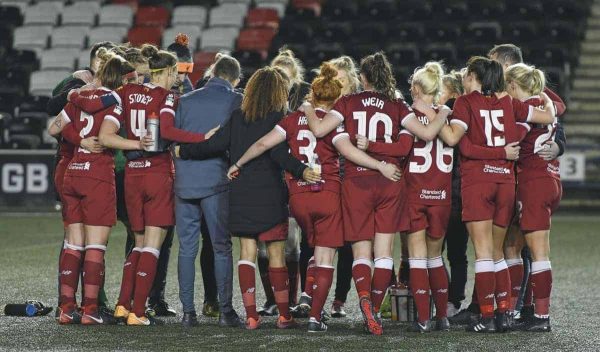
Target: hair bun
{"x":284,"y":51}
{"x":149,"y":50}
{"x":182,"y":39}
{"x":328,"y":71}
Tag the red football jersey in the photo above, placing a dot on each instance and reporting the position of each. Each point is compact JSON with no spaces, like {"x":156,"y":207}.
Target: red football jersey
{"x":530,"y":165}
{"x":429,"y":176}
{"x":100,"y":166}
{"x":489,"y":122}
{"x":372,"y":115}
{"x":65,"y":149}
{"x":304,"y":145}
{"x":140,"y":101}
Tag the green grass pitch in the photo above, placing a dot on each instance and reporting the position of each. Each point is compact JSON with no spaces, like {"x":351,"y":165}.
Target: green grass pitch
{"x":28,"y":260}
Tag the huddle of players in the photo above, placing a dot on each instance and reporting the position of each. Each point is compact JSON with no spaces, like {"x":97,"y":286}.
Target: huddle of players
{"x":400,"y":182}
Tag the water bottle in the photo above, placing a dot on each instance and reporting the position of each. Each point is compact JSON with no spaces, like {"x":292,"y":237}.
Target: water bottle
{"x":153,"y":128}
{"x":315,"y":165}
{"x":29,"y":309}
{"x":401,"y":298}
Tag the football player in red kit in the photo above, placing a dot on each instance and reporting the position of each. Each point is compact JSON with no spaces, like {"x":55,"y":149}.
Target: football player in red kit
{"x":89,"y":198}
{"x":488,"y":116}
{"x":316,"y":207}
{"x":370,"y":203}
{"x":538,"y":191}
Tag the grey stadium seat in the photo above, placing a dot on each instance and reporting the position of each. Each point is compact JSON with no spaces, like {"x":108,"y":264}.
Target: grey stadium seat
{"x":43,"y":82}
{"x":44,"y":13}
{"x":116,"y":15}
{"x":21,"y":4}
{"x":32,"y":37}
{"x":189,"y":15}
{"x":83,"y":59}
{"x":228,"y":15}
{"x":214,"y":39}
{"x":81,"y":13}
{"x":58,"y":59}
{"x":110,"y":33}
{"x":69,"y":37}
{"x":277,"y":5}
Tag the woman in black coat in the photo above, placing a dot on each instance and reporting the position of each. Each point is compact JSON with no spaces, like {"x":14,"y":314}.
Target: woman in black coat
{"x":258,"y":195}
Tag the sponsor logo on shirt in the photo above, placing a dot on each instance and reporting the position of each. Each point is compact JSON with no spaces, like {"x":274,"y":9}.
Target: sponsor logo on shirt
{"x":139,"y":164}
{"x":553,"y":169}
{"x":433,"y":194}
{"x":496,"y":170}
{"x":80,"y":166}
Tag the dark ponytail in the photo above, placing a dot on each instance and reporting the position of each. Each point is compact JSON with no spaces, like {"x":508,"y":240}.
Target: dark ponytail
{"x":378,"y":72}
{"x":158,"y":60}
{"x":489,"y":73}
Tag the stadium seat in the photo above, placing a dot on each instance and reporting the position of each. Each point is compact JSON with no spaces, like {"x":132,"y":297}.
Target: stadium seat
{"x":255,"y":39}
{"x":248,"y":58}
{"x":478,"y":32}
{"x":340,"y":10}
{"x":296,"y":32}
{"x":20,"y":4}
{"x":549,"y":55}
{"x":378,"y":9}
{"x":5,"y":120}
{"x":33,"y":104}
{"x":277,"y":6}
{"x":215,"y":39}
{"x":306,"y":7}
{"x":83,"y":59}
{"x":334,"y":32}
{"x":116,"y":15}
{"x":228,"y":15}
{"x":109,"y":33}
{"x":360,"y":50}
{"x":138,"y":36}
{"x":445,"y":52}
{"x":454,"y":10}
{"x":80,"y":13}
{"x":189,"y":15}
{"x":407,"y":31}
{"x":413,"y":10}
{"x":467,"y":51}
{"x":365,"y":32}
{"x":152,"y":16}
{"x":12,"y":82}
{"x":526,"y":10}
{"x":43,"y":13}
{"x":561,"y":31}
{"x":324,"y":51}
{"x":258,"y":18}
{"x":23,"y":136}
{"x":11,"y":16}
{"x":192,"y":31}
{"x":442,"y":32}
{"x":520,"y":32}
{"x":131,"y":3}
{"x":566,"y":9}
{"x":402,"y":54}
{"x":58,"y":59}
{"x":485,"y":9}
{"x":25,"y":59}
{"x":31,"y":37}
{"x":69,"y":37}
{"x":43,"y":82}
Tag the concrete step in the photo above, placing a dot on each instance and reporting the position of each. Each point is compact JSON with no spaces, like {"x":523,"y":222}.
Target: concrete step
{"x":578,"y":117}
{"x":584,"y":94}
{"x":586,"y":83}
{"x":586,"y":106}
{"x":588,"y":71}
{"x":592,"y":34}
{"x":589,"y":60}
{"x":593,"y":22}
{"x":584,"y":129}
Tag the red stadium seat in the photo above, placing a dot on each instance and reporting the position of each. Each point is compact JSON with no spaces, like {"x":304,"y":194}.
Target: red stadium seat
{"x":255,"y":39}
{"x":142,"y":35}
{"x":202,"y":60}
{"x":262,"y":17}
{"x":152,"y":16}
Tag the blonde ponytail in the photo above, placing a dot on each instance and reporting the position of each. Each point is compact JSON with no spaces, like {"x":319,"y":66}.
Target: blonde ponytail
{"x":528,"y":78}
{"x":430,"y":79}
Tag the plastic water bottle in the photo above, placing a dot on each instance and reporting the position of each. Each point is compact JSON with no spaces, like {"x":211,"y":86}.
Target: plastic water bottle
{"x":153,"y":127}
{"x":29,"y":309}
{"x":315,"y":165}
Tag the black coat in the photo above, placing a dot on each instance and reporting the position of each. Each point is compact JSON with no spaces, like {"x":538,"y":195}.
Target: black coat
{"x":258,"y":196}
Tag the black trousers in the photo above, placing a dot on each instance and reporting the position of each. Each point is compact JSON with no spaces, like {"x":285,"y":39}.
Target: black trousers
{"x":456,"y":240}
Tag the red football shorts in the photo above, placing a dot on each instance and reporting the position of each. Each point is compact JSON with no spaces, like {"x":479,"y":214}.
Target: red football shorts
{"x":319,"y":215}
{"x":370,"y":204}
{"x":59,"y":179}
{"x":149,"y":200}
{"x":276,"y":233}
{"x":488,"y":201}
{"x":537,"y":200}
{"x":433,"y":218}
{"x":404,"y":218}
{"x":89,"y":201}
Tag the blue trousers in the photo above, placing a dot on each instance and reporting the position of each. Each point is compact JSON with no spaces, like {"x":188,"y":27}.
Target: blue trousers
{"x":188,"y":213}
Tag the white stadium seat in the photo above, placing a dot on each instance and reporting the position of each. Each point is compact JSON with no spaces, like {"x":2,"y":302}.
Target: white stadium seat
{"x":285,"y":2}
{"x":58,"y":59}
{"x":116,"y":15}
{"x":218,"y":38}
{"x":43,"y":82}
{"x":80,"y":13}
{"x":193,"y":33}
{"x":42,"y":13}
{"x":279,"y":6}
{"x":110,"y":33}
{"x":189,"y":15}
{"x":83,"y":59}
{"x":32,"y":37}
{"x":228,"y":15}
{"x":69,"y":37}
{"x":247,"y":2}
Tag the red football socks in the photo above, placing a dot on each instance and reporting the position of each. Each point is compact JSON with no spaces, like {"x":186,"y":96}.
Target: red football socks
{"x":541,"y":283}
{"x":361,"y":272}
{"x":382,"y":276}
{"x":145,"y":273}
{"x":515,"y":270}
{"x":503,"y":287}
{"x":310,"y":276}
{"x":246,"y":273}
{"x":322,"y":283}
{"x":485,"y":282}
{"x":438,"y":281}
{"x":419,"y":286}
{"x":93,"y":276}
{"x":279,"y":280}
{"x":128,"y":281}
{"x":70,"y":266}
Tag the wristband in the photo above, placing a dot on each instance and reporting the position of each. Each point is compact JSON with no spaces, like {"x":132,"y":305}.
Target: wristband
{"x":236,"y":165}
